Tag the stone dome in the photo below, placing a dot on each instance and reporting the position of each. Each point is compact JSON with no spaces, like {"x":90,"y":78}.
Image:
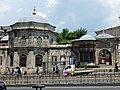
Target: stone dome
{"x":5,"y":38}
{"x":87,"y":37}
{"x":103,"y":36}
{"x":33,"y":18}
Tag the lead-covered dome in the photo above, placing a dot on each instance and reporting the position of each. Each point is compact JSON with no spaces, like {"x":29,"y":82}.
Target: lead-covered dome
{"x":34,"y":18}
{"x":103,"y":36}
{"x":87,"y":37}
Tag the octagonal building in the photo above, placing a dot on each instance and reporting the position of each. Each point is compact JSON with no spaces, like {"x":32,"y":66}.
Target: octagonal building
{"x":29,"y":39}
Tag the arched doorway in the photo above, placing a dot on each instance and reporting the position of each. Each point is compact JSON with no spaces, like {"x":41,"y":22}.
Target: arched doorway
{"x":38,"y":60}
{"x":105,"y":57}
{"x":23,"y":60}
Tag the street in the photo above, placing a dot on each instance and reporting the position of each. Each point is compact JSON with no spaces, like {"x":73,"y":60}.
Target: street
{"x":69,"y":88}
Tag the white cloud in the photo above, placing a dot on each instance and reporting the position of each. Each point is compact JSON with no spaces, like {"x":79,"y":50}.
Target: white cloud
{"x":7,"y":6}
{"x":113,"y":7}
{"x":51,"y":3}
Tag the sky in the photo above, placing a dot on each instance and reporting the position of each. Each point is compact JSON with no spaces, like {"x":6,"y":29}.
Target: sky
{"x":93,"y":15}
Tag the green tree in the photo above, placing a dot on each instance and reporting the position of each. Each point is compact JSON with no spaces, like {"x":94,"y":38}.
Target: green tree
{"x":80,"y":32}
{"x":65,"y":36}
{"x":70,"y":36}
{"x":64,"y":32}
{"x":59,"y":37}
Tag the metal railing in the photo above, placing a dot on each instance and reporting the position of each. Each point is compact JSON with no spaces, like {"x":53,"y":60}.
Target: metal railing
{"x":96,"y":78}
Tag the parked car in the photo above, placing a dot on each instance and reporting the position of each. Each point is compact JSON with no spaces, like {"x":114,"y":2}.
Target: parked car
{"x":3,"y":85}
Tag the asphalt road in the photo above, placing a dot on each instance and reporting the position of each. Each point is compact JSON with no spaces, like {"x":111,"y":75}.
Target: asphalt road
{"x":68,"y":88}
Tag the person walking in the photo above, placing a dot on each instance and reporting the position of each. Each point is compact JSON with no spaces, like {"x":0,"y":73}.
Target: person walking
{"x":54,"y":70}
{"x":116,"y":68}
{"x":37,"y":70}
{"x":19,"y":72}
{"x":12,"y":71}
{"x":25,"y":72}
{"x":7,"y":71}
{"x":57,"y":70}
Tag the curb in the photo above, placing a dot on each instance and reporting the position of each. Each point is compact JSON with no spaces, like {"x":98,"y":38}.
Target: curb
{"x":64,"y":85}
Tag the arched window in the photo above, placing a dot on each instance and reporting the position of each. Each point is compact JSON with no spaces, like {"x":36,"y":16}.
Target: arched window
{"x":51,"y":40}
{"x":23,"y":61}
{"x":11,"y":41}
{"x":23,"y":41}
{"x":11,"y":60}
{"x":39,"y":41}
{"x":63,"y":59}
{"x":105,"y":57}
{"x":30,"y":40}
{"x":38,"y":60}
{"x":86,"y":58}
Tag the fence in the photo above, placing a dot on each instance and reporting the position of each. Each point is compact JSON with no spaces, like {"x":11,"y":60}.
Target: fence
{"x":99,"y":78}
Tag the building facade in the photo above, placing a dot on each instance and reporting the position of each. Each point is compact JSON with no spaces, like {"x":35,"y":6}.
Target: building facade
{"x":83,"y":50}
{"x":108,"y":46}
{"x":31,"y":43}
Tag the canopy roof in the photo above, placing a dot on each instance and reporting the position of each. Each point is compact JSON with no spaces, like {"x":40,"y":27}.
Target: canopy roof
{"x":103,"y":36}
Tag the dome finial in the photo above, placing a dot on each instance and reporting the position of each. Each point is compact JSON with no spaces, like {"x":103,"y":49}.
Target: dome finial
{"x":34,"y":11}
{"x":103,"y":30}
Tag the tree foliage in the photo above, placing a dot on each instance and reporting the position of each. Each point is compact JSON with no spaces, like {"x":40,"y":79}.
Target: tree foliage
{"x":80,"y":32}
{"x":64,"y":32}
{"x":66,"y":36}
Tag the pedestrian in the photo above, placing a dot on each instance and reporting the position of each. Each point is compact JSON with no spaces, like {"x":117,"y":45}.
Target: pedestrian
{"x":19,"y":72}
{"x":57,"y":70}
{"x":12,"y":71}
{"x":54,"y":70}
{"x":37,"y":70}
{"x":7,"y":71}
{"x":25,"y":72}
{"x":116,"y":68}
